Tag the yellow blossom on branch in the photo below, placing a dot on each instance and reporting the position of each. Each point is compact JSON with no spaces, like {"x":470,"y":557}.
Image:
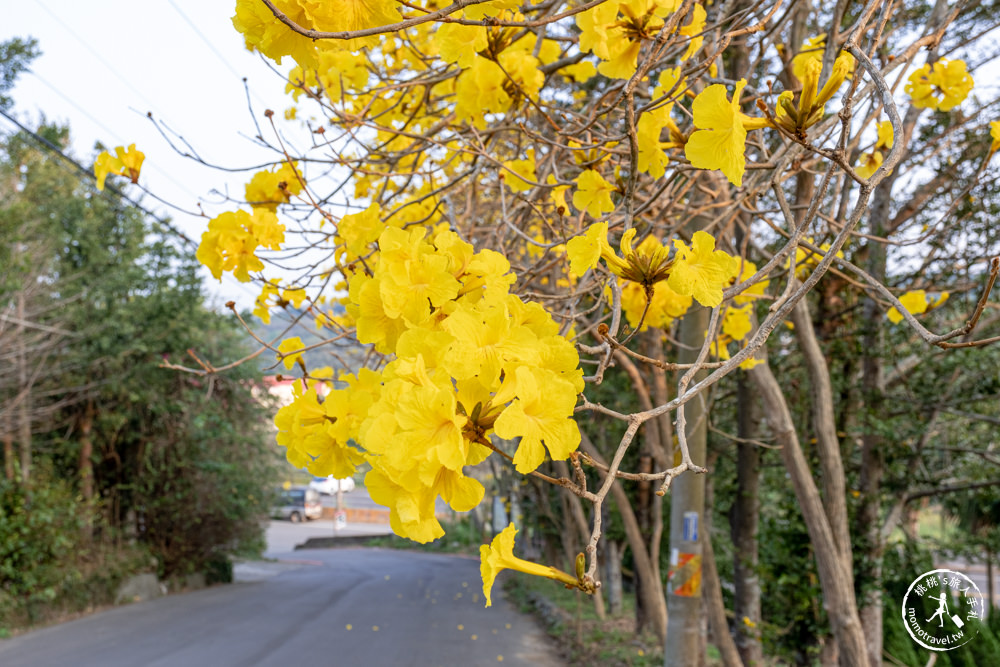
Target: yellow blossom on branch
{"x":267,"y":189}
{"x":942,"y":86}
{"x":702,"y":271}
{"x":459,"y":43}
{"x":720,"y":140}
{"x":915,"y":302}
{"x":499,"y":556}
{"x":125,"y":162}
{"x":593,"y":194}
{"x":811,"y":51}
{"x":289,"y":351}
{"x":694,"y":30}
{"x":868,"y":163}
{"x":540,"y":415}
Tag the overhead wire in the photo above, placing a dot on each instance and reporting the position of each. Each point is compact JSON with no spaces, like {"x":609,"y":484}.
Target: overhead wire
{"x":110,"y":189}
{"x":125,"y":81}
{"x":100,"y":58}
{"x":55,"y":150}
{"x":111,"y":133}
{"x":214,"y":50}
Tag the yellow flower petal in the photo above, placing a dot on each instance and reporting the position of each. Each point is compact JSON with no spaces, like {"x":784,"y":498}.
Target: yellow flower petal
{"x":720,"y":141}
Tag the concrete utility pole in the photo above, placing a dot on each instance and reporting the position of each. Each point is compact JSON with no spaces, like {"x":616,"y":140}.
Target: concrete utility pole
{"x":685,"y":644}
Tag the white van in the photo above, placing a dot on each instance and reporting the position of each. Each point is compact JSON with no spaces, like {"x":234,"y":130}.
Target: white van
{"x":297,"y":504}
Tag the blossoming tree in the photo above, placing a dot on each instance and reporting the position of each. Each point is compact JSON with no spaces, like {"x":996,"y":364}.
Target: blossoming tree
{"x":497,"y":198}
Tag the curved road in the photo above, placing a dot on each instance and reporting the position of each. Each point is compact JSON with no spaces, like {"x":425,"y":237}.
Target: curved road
{"x":318,"y":608}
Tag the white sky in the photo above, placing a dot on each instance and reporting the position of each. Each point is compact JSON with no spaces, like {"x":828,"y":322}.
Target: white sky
{"x":104,"y":64}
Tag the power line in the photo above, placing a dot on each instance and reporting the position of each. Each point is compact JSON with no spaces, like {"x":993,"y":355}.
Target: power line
{"x":72,"y":103}
{"x":51,"y":147}
{"x":214,"y":50}
{"x":115,"y":138}
{"x":97,"y":55}
{"x":108,"y":188}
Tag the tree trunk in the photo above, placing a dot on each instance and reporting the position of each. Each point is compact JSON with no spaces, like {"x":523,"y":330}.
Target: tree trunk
{"x":836,"y":581}
{"x":687,"y":510}
{"x":744,"y":516}
{"x":714,"y":604}
{"x":613,"y":575}
{"x":870,"y":544}
{"x":86,"y":454}
{"x":989,"y":582}
{"x":24,"y":405}
{"x":646,"y":585}
{"x":825,"y":428}
{"x":8,"y":456}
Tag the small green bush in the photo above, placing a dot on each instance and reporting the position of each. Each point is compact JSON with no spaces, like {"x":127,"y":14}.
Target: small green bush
{"x":41,"y":525}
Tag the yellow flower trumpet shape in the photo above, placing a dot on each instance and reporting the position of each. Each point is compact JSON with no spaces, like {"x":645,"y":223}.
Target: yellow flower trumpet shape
{"x":499,"y":555}
{"x":647,"y":264}
{"x":868,"y":163}
{"x":720,"y":140}
{"x":125,"y":162}
{"x":842,"y":68}
{"x":796,"y":119}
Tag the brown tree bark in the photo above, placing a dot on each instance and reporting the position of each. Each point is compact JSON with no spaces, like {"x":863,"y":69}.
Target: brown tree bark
{"x":836,"y":581}
{"x":648,"y":587}
{"x":744,"y":516}
{"x":24,"y":406}
{"x":613,"y":575}
{"x":825,"y":427}
{"x":714,"y":604}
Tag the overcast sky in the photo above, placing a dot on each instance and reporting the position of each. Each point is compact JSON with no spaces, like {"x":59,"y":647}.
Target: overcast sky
{"x":104,"y":64}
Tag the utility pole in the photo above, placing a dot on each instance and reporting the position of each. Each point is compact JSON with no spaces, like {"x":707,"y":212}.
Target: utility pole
{"x":685,"y":641}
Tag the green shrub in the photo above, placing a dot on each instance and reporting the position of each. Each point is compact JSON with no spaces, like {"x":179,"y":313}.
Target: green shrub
{"x":40,"y":530}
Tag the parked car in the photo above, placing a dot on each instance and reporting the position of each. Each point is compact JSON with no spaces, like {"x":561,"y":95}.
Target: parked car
{"x":297,"y":504}
{"x":328,"y":485}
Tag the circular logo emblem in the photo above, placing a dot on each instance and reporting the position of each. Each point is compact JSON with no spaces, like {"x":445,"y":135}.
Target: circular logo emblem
{"x":938,"y":608}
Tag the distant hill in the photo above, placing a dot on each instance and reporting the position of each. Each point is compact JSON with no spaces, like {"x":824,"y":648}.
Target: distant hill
{"x":349,"y":351}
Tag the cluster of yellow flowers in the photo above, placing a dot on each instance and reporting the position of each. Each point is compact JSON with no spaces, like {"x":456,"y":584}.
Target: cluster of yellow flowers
{"x":615,"y":31}
{"x":719,"y":141}
{"x":660,"y":288}
{"x":232,"y":239}
{"x":942,"y":86}
{"x":469,"y":359}
{"x":699,"y":270}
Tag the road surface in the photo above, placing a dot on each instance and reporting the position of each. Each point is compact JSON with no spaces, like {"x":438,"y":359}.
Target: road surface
{"x":313,"y":608}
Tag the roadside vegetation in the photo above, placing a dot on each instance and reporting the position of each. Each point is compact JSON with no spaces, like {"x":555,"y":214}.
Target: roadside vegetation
{"x":112,"y":465}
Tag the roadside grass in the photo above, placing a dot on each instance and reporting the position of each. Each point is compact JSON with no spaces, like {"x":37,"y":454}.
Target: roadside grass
{"x":582,"y":637}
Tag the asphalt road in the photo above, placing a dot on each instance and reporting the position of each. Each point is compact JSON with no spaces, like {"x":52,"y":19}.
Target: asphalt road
{"x":368,"y":607}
